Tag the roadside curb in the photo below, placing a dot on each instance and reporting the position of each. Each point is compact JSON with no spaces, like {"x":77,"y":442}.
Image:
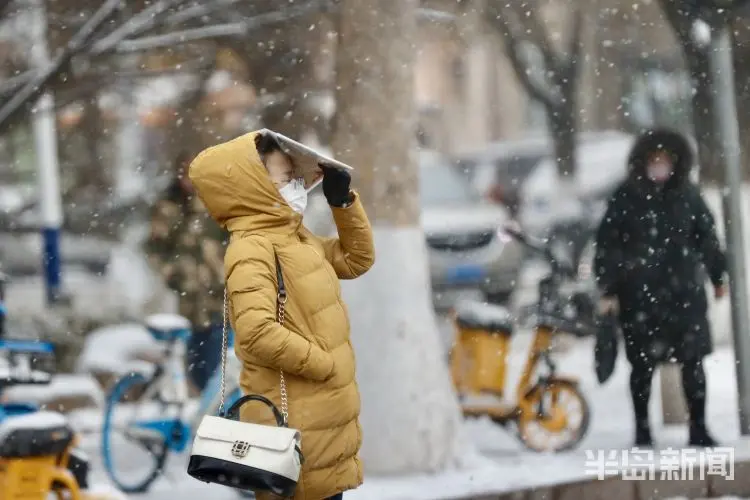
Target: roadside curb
{"x":617,"y":488}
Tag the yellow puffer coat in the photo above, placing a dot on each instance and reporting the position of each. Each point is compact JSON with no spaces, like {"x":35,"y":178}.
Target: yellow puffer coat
{"x":313,"y":347}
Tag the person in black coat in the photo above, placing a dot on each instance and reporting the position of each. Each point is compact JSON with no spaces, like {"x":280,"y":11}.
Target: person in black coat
{"x":656,"y":246}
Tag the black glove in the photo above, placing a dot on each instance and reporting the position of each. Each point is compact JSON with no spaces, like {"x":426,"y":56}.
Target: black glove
{"x":336,"y":186}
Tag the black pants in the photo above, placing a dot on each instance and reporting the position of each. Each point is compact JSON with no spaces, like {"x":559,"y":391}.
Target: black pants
{"x":203,"y":355}
{"x":693,"y":384}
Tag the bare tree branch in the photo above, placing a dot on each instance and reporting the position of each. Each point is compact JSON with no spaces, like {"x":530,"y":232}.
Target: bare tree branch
{"x":8,"y":8}
{"x":554,"y":59}
{"x":570,"y":64}
{"x":147,"y":18}
{"x":238,"y":29}
{"x":15,"y":82}
{"x":513,"y":39}
{"x":74,"y":46}
{"x":179,"y":37}
{"x":198,"y":10}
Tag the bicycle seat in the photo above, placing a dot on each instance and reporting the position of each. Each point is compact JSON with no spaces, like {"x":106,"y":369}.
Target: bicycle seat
{"x":167,"y":327}
{"x":36,"y":434}
{"x":482,"y":316}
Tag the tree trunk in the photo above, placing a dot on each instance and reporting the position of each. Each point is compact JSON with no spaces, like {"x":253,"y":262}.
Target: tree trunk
{"x":697,"y":63}
{"x":410,"y":414}
{"x":742,"y":80}
{"x":562,"y":125}
{"x":92,"y":126}
{"x":708,"y":151}
{"x":607,"y":65}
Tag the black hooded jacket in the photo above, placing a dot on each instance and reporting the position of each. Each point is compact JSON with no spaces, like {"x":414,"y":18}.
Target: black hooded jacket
{"x":655,"y":244}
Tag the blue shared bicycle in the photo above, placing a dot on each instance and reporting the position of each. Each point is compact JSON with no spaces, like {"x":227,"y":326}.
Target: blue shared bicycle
{"x":150,"y":416}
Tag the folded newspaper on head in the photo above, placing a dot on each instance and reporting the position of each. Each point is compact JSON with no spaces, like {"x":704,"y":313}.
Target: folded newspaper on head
{"x":305,"y":158}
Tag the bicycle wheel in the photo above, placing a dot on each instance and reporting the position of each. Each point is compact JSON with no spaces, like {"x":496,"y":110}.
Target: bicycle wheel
{"x":556,"y":417}
{"x":138,"y":433}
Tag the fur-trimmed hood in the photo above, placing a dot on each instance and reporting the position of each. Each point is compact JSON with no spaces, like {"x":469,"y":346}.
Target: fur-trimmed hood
{"x":658,"y":140}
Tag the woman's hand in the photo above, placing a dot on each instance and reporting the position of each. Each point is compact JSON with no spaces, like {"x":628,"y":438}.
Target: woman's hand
{"x":336,"y":184}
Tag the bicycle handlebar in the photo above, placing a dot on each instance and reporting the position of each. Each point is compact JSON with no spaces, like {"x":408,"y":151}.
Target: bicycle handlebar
{"x":540,"y":248}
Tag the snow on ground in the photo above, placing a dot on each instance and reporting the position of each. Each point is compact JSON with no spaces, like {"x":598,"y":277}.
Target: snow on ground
{"x":514,"y":467}
{"x":611,"y":425}
{"x":105,"y":492}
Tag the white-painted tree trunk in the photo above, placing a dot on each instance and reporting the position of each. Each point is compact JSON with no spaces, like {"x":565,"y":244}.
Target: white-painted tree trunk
{"x":410,"y":414}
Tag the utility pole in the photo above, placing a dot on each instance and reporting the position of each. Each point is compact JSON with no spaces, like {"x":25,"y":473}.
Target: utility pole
{"x":48,"y":173}
{"x":711,"y":31}
{"x":727,"y":127}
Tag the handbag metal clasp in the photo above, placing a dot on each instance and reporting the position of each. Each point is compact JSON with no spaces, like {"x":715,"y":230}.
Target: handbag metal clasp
{"x":240,"y":449}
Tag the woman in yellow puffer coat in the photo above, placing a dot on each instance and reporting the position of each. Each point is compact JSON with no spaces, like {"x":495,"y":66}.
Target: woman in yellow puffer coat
{"x":250,"y":187}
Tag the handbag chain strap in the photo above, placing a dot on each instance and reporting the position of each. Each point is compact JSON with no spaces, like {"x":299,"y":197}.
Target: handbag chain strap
{"x":281,"y":298}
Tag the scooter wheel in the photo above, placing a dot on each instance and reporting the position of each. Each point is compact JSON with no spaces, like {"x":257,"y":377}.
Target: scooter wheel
{"x":554,"y":417}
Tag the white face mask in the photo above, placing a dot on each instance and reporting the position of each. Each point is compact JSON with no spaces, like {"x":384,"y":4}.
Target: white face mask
{"x":295,"y":195}
{"x":659,"y":172}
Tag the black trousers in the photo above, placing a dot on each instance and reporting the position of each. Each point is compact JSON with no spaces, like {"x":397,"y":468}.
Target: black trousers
{"x":693,"y":384}
{"x":204,"y":354}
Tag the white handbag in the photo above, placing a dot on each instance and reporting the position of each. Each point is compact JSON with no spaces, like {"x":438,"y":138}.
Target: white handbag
{"x":243,"y":455}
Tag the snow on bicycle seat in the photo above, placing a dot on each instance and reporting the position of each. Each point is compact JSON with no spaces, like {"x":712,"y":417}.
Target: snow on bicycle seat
{"x":36,"y":434}
{"x":480,"y":315}
{"x":14,"y":376}
{"x":168,"y":327}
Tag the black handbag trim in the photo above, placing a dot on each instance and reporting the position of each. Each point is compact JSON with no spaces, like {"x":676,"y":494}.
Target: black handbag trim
{"x":233,"y":413}
{"x":243,"y":477}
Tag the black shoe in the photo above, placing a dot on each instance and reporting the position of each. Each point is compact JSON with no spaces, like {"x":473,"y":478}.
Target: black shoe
{"x":643,"y":436}
{"x":700,"y":438}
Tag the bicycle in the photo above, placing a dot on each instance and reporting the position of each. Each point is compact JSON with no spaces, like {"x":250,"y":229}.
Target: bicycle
{"x":550,"y":412}
{"x":160,"y":423}
{"x":39,"y":453}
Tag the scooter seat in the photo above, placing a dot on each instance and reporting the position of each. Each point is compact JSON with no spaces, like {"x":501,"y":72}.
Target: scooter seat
{"x":37,"y":434}
{"x":482,"y":316}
